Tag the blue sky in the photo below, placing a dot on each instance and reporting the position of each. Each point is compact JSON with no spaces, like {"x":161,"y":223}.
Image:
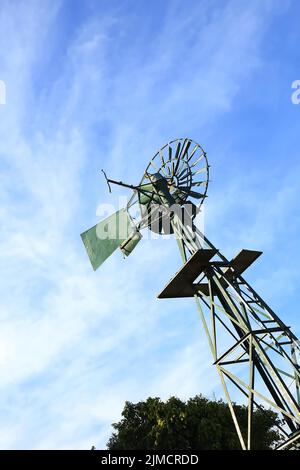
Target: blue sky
{"x":104,"y":84}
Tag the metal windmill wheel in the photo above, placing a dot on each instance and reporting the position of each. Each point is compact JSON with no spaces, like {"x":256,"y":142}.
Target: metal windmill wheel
{"x":183,"y":164}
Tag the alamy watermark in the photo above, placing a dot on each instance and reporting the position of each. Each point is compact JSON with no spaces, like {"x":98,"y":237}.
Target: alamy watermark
{"x":2,"y":92}
{"x":295,"y":97}
{"x":161,"y":220}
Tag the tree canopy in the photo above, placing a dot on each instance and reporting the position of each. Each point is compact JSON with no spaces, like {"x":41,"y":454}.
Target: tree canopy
{"x":198,"y":424}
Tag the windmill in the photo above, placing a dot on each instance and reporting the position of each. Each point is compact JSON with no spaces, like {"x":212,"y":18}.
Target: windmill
{"x":256,"y":355}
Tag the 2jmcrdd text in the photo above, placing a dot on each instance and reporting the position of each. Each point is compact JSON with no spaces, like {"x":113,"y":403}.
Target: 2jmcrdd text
{"x":171,"y":459}
{"x":150,"y":459}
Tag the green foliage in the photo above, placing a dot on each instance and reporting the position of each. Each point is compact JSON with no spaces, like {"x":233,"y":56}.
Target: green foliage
{"x":197,"y":424}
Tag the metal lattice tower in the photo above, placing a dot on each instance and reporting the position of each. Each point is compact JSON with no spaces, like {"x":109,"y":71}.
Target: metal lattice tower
{"x":256,"y":355}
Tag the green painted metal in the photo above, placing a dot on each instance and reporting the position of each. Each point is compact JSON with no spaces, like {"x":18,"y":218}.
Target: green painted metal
{"x":104,"y":238}
{"x":155,"y":193}
{"x":254,"y":352}
{"x":128,"y":245}
{"x":251,"y":336}
{"x":147,"y":195}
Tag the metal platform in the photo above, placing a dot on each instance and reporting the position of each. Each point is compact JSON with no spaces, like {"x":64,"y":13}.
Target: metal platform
{"x":181,"y":285}
{"x":241,"y":262}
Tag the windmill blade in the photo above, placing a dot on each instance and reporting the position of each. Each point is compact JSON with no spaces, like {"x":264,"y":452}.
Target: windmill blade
{"x":202,"y":170}
{"x":177,"y":158}
{"x":175,"y":167}
{"x":177,"y":150}
{"x":154,"y":166}
{"x":184,"y":150}
{"x":181,"y":174}
{"x":198,"y":160}
{"x":104,"y":238}
{"x":162,"y":158}
{"x":196,"y":195}
{"x":192,"y":193}
{"x":193,"y":151}
{"x":170,"y":152}
{"x":180,"y":167}
{"x":199,"y":183}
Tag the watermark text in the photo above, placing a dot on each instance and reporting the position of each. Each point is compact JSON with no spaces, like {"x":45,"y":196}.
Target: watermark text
{"x":296,"y":94}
